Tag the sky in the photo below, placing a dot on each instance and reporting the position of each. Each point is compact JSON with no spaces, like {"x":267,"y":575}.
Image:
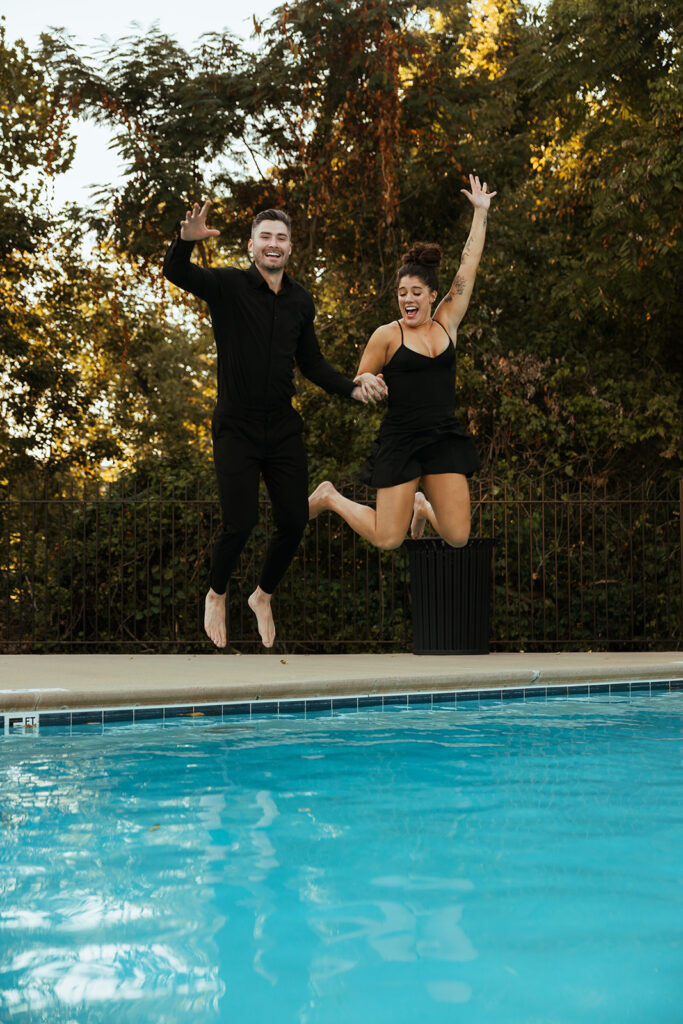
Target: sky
{"x":94,"y":163}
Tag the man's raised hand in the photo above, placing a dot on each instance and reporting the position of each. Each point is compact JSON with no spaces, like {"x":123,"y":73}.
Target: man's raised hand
{"x":193,"y":228}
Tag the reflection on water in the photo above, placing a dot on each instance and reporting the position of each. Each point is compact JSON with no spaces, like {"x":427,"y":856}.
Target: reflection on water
{"x":96,"y":880}
{"x":397,"y":866}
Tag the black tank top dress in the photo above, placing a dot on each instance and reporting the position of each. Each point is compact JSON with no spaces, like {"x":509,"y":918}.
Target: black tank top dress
{"x":419,"y":433}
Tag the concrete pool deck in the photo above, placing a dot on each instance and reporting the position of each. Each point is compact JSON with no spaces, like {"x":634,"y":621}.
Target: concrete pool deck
{"x":30,"y":682}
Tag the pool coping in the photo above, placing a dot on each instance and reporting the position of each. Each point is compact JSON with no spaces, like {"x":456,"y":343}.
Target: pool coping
{"x":84,"y":719}
{"x":68,"y":689}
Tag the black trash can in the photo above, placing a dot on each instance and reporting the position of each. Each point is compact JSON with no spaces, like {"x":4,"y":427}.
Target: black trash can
{"x":450,"y":590}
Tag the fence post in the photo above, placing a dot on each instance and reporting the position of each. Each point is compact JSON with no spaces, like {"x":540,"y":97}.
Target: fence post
{"x":680,"y":516}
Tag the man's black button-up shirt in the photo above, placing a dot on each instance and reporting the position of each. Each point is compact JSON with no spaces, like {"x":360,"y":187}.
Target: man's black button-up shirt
{"x":260,"y":335}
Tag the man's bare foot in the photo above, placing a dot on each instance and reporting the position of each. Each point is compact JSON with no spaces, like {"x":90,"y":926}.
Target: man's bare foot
{"x":259,"y":602}
{"x":214,"y":618}
{"x":319,"y":500}
{"x":420,"y":508}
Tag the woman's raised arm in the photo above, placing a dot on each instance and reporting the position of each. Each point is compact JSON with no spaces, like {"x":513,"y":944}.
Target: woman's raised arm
{"x":453,"y":306}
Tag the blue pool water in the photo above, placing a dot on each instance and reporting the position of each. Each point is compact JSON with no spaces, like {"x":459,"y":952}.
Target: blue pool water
{"x":514,"y":862}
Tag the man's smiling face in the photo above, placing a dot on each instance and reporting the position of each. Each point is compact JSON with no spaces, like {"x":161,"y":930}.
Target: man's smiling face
{"x":270,"y":246}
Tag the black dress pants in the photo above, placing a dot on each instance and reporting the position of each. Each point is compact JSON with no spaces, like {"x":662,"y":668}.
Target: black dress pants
{"x":246,"y":446}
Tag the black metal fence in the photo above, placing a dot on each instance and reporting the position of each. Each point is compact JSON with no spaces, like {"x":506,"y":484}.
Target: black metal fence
{"x":108,"y":569}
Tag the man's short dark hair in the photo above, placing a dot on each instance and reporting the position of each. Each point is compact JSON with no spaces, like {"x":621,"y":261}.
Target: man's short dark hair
{"x":271,"y":215}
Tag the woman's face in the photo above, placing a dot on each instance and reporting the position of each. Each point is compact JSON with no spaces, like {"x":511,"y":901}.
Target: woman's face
{"x":415,"y":300}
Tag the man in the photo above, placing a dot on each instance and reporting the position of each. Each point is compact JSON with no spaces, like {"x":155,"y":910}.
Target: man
{"x":263,"y":324}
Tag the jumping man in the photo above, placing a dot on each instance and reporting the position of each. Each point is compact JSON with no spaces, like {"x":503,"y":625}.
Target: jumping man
{"x":263,"y":325}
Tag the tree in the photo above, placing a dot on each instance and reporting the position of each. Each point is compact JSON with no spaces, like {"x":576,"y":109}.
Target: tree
{"x":33,"y":145}
{"x":603,"y":202}
{"x":362,"y":117}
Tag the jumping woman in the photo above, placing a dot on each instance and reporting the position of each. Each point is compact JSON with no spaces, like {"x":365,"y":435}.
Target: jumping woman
{"x":419,"y":437}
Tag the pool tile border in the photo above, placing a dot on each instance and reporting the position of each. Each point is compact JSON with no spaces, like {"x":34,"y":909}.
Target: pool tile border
{"x":97,"y":719}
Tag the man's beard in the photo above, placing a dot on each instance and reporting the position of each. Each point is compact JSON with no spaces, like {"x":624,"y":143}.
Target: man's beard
{"x":269,"y":268}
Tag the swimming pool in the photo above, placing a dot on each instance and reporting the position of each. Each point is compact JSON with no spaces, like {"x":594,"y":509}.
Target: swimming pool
{"x":513,"y":861}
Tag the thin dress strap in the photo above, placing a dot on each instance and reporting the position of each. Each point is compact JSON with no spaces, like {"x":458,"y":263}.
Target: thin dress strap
{"x":401,"y":330}
{"x":443,"y":329}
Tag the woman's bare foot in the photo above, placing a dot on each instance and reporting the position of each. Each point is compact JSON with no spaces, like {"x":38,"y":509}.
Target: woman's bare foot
{"x":259,"y":602}
{"x":319,"y":500}
{"x":214,"y":618}
{"x":420,"y":509}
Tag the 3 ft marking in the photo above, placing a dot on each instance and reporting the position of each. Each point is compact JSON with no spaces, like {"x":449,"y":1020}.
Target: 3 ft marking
{"x":17,"y":723}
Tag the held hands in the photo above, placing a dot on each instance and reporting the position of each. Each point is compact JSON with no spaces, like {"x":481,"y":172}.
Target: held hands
{"x":369,"y":388}
{"x":193,"y":228}
{"x":479,"y":196}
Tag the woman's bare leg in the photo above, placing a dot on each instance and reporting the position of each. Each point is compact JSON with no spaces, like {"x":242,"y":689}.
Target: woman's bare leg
{"x":448,"y":508}
{"x":385,"y":526}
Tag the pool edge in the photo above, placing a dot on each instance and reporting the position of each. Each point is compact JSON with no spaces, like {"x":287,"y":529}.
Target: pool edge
{"x":43,"y":683}
{"x":84,"y":719}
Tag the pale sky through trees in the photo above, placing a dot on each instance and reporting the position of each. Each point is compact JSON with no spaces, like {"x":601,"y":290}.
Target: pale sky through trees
{"x":87,"y":21}
{"x":94,"y":163}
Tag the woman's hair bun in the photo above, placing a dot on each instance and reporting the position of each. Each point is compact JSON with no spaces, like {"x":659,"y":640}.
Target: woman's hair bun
{"x":425,"y":254}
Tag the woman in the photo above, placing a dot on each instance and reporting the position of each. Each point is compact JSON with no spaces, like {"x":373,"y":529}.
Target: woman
{"x":420,"y":437}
